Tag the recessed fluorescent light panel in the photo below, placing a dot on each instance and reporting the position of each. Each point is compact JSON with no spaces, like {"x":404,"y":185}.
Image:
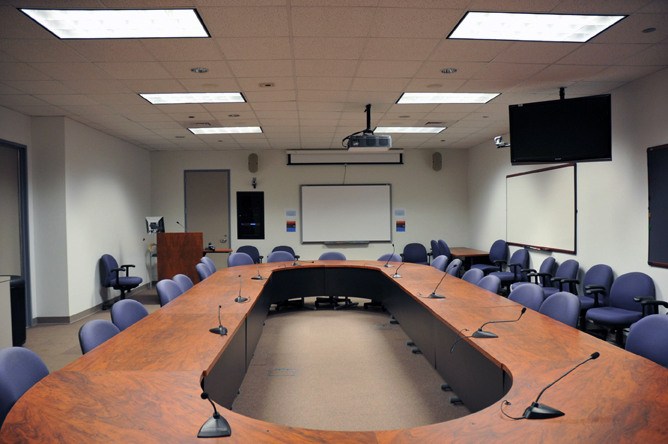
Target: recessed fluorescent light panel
{"x":227,"y":130}
{"x":416,"y":98}
{"x":409,"y":129}
{"x":119,"y":23}
{"x":180,"y":98}
{"x":532,"y":27}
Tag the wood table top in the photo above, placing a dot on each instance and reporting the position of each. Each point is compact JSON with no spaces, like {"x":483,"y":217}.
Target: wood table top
{"x":467,"y":252}
{"x":143,"y":385}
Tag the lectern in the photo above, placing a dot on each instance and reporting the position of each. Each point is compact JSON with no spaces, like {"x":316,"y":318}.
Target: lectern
{"x":179,"y":253}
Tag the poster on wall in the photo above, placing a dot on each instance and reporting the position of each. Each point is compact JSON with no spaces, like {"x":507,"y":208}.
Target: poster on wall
{"x":291,"y":226}
{"x":401,"y":225}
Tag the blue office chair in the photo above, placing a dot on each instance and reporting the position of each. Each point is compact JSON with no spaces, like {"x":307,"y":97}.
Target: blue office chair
{"x":280,"y":256}
{"x":203,"y":271}
{"x":20,"y":369}
{"x":498,"y":255}
{"x":629,"y":295}
{"x":564,"y":278}
{"x":435,"y":249}
{"x":415,"y":253}
{"x":95,"y":332}
{"x":168,"y":290}
{"x":439,"y":262}
{"x":393,"y":257}
{"x":209,"y":263}
{"x":444,"y":249}
{"x":563,"y":307}
{"x":473,"y":276}
{"x":110,"y":276}
{"x":454,"y":268}
{"x":183,"y":281}
{"x":541,"y":277}
{"x":518,"y":261}
{"x":127,"y":312}
{"x":252,"y":252}
{"x":288,"y":249}
{"x":236,"y":259}
{"x":649,"y":338}
{"x":596,"y":287}
{"x":332,"y":256}
{"x":490,"y":283}
{"x":529,"y":295}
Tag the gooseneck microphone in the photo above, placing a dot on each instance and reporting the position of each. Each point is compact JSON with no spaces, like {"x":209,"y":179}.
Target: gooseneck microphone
{"x":542,"y":411}
{"x":259,"y":276}
{"x":396,"y":274}
{"x":184,"y":228}
{"x":220,"y":330}
{"x":216,"y":426}
{"x":433,"y":294}
{"x":480,"y":333}
{"x":239,"y":298}
{"x":387,"y":264}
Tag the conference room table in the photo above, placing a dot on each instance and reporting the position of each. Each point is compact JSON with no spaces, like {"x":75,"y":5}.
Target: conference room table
{"x":144,"y":384}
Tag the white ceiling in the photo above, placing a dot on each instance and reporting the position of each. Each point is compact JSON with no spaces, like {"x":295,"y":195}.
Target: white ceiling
{"x":327,"y":60}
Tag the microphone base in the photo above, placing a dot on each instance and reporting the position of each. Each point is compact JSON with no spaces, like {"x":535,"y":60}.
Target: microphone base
{"x":436,"y":296}
{"x":396,"y":275}
{"x":257,"y":278}
{"x":388,"y":266}
{"x":296,"y":265}
{"x":541,"y":411}
{"x":484,"y":334}
{"x":215,"y":427}
{"x":240,"y":299}
{"x":219,"y":330}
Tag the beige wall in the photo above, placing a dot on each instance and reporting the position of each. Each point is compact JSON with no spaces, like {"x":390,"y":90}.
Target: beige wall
{"x":10,"y":234}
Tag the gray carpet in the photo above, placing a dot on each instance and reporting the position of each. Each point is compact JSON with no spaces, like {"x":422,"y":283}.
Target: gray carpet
{"x":347,"y":370}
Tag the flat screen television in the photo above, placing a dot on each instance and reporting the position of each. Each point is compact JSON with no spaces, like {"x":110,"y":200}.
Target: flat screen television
{"x":556,"y":131}
{"x":155,"y":224}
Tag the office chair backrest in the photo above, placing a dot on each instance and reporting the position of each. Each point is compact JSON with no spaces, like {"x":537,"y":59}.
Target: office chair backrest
{"x":280,"y":256}
{"x":20,"y":369}
{"x":547,"y":267}
{"x":94,"y":333}
{"x":392,"y":257}
{"x":415,"y":253}
{"x":600,"y":274}
{"x":107,"y":263}
{"x":563,"y":307}
{"x":569,"y":269}
{"x":444,"y":249}
{"x":209,"y":263}
{"x":499,"y":251}
{"x":521,"y":257}
{"x":236,"y":259}
{"x":439,"y":262}
{"x":649,"y":338}
{"x":183,"y":281}
{"x":251,"y":251}
{"x":332,"y":256}
{"x":473,"y":276}
{"x":490,"y":283}
{"x":126,"y":312}
{"x":454,"y":267}
{"x":203,"y":271}
{"x":529,"y":295}
{"x":435,"y":249}
{"x":168,"y":290}
{"x":284,"y":248}
{"x":628,"y":286}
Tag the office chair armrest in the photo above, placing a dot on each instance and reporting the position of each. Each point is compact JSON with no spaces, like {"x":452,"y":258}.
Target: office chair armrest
{"x":559,"y":280}
{"x":570,"y":281}
{"x":499,"y":263}
{"x":653,"y":302}
{"x":531,"y":271}
{"x":514,"y":266}
{"x":646,"y":301}
{"x":259,"y":258}
{"x":296,"y":257}
{"x":402,"y":256}
{"x":595,"y":290}
{"x":127,"y":268}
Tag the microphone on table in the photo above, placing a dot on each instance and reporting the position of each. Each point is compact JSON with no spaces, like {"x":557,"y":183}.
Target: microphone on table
{"x":480,"y":333}
{"x":258,"y":277}
{"x":396,"y":274}
{"x":433,"y":294}
{"x":239,"y":298}
{"x":184,"y":228}
{"x":220,"y":330}
{"x":542,"y":411}
{"x":387,"y":264}
{"x":216,"y":426}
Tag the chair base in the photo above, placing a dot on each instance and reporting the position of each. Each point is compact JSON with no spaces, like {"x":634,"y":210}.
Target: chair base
{"x":294,"y":303}
{"x":374,"y":304}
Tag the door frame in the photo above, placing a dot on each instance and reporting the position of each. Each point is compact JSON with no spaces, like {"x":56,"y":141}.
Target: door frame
{"x":23,"y":223}
{"x":229,"y":202}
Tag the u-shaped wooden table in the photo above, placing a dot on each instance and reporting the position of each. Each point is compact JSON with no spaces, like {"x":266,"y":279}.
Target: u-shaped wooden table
{"x":143,"y":385}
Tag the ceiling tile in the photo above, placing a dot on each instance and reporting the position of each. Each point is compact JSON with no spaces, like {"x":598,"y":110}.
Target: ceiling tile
{"x":654,"y":55}
{"x":67,"y":99}
{"x":514,"y":5}
{"x":487,"y":85}
{"x":431,"y":4}
{"x":567,"y":72}
{"x":260,"y":48}
{"x":320,"y":106}
{"x":536,"y":52}
{"x":71,"y":71}
{"x":508,"y":71}
{"x":324,"y":83}
{"x":601,"y":54}
{"x":468,"y":50}
{"x":111,"y":50}
{"x":48,"y":110}
{"x":465,"y":70}
{"x":373,"y":97}
{"x":246,"y":21}
{"x":269,"y":96}
{"x":20,"y":71}
{"x":257,"y":68}
{"x":377,"y":68}
{"x":134,"y":70}
{"x":183,"y":70}
{"x":277,"y":115}
{"x":114,"y":99}
{"x":46,"y":50}
{"x":210,"y":85}
{"x":84,"y":110}
{"x":154,"y":86}
{"x":40,"y":86}
{"x":623,"y":73}
{"x":373,"y":84}
{"x":414,"y":23}
{"x":630,"y":30}
{"x":325,"y":68}
{"x":166,"y":50}
{"x":399,"y":49}
{"x":322,"y":96}
{"x":16,"y":25}
{"x":591,"y":88}
{"x":603,"y":7}
{"x":6,"y":89}
{"x":11,"y":100}
{"x":331,"y":22}
{"x":434,"y":84}
{"x":340,"y":48}
{"x":107,"y":86}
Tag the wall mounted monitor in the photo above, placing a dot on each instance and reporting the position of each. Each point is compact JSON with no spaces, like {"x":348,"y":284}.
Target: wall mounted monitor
{"x":557,"y":131}
{"x":155,"y":224}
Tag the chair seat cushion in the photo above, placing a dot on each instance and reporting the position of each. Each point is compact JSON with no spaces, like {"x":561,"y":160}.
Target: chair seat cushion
{"x":486,"y":268}
{"x":613,"y":316}
{"x":506,"y":277}
{"x":586,"y":303}
{"x":126,"y":281}
{"x":549,"y":291}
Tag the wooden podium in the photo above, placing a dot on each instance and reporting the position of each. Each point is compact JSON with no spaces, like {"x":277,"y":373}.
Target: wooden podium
{"x":179,"y":253}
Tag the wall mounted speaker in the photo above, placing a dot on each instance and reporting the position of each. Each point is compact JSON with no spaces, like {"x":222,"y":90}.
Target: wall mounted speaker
{"x":253,"y":163}
{"x":437,"y":161}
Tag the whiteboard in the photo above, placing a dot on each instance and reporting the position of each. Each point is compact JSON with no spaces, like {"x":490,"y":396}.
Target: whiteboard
{"x":346,"y":213}
{"x":541,"y":209}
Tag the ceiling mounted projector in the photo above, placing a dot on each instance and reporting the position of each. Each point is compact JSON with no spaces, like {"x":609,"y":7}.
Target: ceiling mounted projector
{"x":366,"y":141}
